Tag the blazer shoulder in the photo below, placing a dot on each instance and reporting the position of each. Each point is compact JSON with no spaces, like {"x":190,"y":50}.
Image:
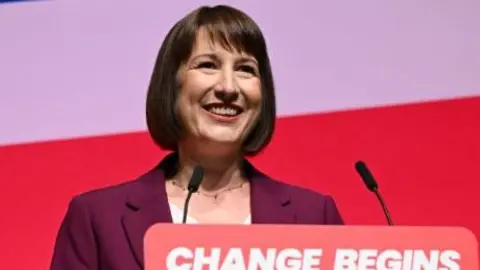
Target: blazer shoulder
{"x":105,"y":194}
{"x":114,"y":197}
{"x":310,"y":205}
{"x":302,"y":193}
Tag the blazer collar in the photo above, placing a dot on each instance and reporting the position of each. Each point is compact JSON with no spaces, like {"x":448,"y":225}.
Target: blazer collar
{"x":146,"y":206}
{"x":269,"y":199}
{"x":148,"y":202}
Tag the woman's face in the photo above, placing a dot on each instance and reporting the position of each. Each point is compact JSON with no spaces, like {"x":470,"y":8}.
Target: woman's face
{"x":220,"y":93}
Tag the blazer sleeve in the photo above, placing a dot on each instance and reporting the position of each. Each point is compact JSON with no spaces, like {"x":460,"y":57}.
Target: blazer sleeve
{"x":332,"y":215}
{"x":75,"y":247}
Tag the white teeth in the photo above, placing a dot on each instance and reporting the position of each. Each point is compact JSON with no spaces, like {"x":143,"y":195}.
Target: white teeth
{"x":224,"y":111}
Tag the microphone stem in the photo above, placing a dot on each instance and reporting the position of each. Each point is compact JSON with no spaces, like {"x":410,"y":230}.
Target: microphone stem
{"x":185,"y":207}
{"x":384,"y":206}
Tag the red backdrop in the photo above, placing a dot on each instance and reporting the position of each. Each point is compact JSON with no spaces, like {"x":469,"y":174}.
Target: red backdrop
{"x":425,"y":158}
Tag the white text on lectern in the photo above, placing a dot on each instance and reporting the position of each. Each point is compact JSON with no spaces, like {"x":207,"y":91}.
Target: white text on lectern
{"x":183,"y":258}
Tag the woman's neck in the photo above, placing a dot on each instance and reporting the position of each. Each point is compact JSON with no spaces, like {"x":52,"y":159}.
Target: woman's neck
{"x":221,"y":171}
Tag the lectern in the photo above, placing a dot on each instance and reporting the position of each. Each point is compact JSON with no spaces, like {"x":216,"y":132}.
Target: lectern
{"x":282,"y":247}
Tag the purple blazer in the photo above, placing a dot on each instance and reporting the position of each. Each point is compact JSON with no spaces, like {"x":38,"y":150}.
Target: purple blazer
{"x":103,"y":229}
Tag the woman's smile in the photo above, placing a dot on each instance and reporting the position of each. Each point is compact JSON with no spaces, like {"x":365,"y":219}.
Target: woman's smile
{"x":223,"y":112}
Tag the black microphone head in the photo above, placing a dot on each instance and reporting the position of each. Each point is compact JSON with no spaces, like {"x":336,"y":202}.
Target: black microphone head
{"x":196,"y":179}
{"x":366,"y":176}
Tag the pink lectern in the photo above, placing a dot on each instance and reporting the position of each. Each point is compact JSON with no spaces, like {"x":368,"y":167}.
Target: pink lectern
{"x":276,"y":247}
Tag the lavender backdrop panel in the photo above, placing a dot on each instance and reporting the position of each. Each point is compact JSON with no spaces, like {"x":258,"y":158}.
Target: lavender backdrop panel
{"x":76,"y":68}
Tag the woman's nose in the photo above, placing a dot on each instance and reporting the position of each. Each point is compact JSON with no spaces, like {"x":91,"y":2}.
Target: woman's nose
{"x":227,"y":81}
{"x":227,"y":90}
{"x":227,"y":96}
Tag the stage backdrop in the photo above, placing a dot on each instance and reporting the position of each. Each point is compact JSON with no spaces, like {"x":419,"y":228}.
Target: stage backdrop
{"x":394,"y":83}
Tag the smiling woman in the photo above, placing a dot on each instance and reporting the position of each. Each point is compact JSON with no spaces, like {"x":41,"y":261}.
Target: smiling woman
{"x":220,"y":58}
{"x":211,"y":101}
{"x":219,"y":99}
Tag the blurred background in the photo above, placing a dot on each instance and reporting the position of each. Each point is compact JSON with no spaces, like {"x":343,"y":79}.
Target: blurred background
{"x":393,"y":83}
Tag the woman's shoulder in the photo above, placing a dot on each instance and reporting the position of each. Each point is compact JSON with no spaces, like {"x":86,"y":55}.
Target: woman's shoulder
{"x":310,"y":206}
{"x":119,"y":194}
{"x":300,"y":193}
{"x":106,"y":193}
{"x":281,"y":187}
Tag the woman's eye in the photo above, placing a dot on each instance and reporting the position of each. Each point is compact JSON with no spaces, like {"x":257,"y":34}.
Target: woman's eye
{"x":209,"y":65}
{"x":247,"y":69}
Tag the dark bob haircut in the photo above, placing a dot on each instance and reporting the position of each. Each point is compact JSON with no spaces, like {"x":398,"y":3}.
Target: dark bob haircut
{"x":232,"y":29}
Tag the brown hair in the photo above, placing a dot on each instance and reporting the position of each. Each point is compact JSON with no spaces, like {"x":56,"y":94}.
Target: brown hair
{"x":232,"y":29}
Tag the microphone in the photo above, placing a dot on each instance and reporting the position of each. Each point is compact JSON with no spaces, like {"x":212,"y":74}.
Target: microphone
{"x":193,"y":185}
{"x":372,"y":185}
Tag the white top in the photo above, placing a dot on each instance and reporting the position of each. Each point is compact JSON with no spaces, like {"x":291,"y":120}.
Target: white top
{"x":177,"y":216}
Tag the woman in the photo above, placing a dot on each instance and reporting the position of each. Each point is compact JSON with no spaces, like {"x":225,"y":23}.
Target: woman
{"x":211,"y":101}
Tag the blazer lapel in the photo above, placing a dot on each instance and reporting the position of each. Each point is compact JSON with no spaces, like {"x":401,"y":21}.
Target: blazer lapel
{"x":147,"y":205}
{"x":270,"y":203}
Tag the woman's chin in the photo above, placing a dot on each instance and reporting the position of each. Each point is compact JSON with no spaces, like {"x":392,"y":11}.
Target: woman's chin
{"x":221,"y":142}
{"x":221,"y":135}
